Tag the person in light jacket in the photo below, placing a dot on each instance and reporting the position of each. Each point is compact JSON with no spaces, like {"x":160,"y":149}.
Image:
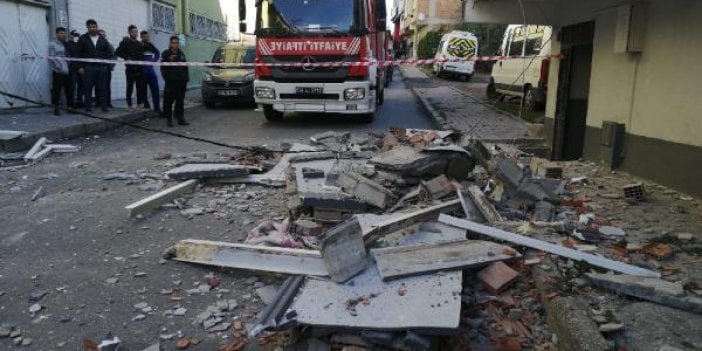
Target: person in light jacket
{"x":176,"y":78}
{"x":61,"y":79}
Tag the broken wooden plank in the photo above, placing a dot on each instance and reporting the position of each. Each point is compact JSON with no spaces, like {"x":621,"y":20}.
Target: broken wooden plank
{"x":251,"y":257}
{"x":484,"y":205}
{"x":398,"y":262}
{"x":650,"y":289}
{"x":156,"y":200}
{"x":404,"y":220}
{"x":37,"y":146}
{"x":548,"y":247}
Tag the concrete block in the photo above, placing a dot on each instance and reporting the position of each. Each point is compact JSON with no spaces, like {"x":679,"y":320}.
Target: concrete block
{"x":497,"y":277}
{"x":306,"y":227}
{"x":327,"y":215}
{"x":438,"y":187}
{"x":36,"y":148}
{"x":206,"y":170}
{"x":20,"y":144}
{"x":343,"y":251}
{"x":365,"y":189}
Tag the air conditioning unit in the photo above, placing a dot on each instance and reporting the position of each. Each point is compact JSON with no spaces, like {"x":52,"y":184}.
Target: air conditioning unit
{"x":612,"y":143}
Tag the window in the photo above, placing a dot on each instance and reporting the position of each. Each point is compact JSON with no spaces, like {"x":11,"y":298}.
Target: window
{"x":517,"y":42}
{"x":163,"y":17}
{"x":322,"y":17}
{"x":533,"y":46}
{"x":234,"y":55}
{"x":207,"y":28}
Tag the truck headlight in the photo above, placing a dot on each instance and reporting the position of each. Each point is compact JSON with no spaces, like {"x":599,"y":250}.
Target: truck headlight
{"x":265,"y":93}
{"x":354,"y":94}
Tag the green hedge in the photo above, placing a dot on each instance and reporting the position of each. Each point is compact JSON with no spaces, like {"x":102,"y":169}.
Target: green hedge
{"x":428,"y":44}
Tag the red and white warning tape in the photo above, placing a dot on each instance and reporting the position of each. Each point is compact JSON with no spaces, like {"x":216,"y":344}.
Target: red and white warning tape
{"x":289,"y":65}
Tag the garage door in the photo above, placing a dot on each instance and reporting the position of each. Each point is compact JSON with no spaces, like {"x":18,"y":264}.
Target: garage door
{"x":23,"y":35}
{"x":114,"y":16}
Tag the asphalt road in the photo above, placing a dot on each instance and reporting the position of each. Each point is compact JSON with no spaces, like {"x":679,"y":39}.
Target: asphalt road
{"x":76,"y":235}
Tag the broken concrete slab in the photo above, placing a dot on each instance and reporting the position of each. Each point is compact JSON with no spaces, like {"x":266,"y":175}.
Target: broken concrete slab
{"x":275,"y":315}
{"x":343,"y":251}
{"x":397,"y":262}
{"x":306,"y":227}
{"x":650,"y":289}
{"x":267,"y":293}
{"x":548,"y":247}
{"x":403,"y":220}
{"x":365,"y":189}
{"x":250,"y":257}
{"x":418,"y":163}
{"x":35,"y":149}
{"x":63,"y":148}
{"x":37,"y":156}
{"x":156,"y":200}
{"x":497,"y":277}
{"x":429,"y":303}
{"x":207,"y":170}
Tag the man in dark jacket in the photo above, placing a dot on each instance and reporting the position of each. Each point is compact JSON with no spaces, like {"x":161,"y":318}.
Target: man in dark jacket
{"x":133,"y":50}
{"x":151,"y":54}
{"x":176,"y":78}
{"x":73,"y":66}
{"x":92,"y":46}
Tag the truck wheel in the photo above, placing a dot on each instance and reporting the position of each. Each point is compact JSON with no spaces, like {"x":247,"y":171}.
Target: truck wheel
{"x":491,"y":91}
{"x":367,"y":117}
{"x":381,"y":97}
{"x":271,"y":114}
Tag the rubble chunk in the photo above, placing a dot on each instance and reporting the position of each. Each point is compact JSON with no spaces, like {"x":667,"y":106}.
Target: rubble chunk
{"x":497,"y":277}
{"x":343,"y":251}
{"x":207,"y":170}
{"x":365,"y":189}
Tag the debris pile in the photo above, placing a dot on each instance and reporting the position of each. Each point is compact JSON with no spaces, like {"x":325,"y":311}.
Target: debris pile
{"x":393,"y":239}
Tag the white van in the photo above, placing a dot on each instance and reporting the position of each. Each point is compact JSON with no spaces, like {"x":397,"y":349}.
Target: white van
{"x":524,"y":70}
{"x":456,"y":45}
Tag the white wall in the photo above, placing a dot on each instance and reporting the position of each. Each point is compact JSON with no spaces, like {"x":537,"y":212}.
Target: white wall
{"x":114,"y":16}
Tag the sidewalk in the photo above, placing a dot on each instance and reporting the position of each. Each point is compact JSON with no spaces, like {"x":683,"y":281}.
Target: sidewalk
{"x":37,"y":122}
{"x":452,"y":108}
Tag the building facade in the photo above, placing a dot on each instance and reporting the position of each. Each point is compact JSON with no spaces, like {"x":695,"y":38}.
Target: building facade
{"x":416,"y":18}
{"x":626,"y":91}
{"x":28,"y":26}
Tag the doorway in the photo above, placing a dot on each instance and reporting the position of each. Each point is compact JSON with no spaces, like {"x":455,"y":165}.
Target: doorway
{"x":573,"y":91}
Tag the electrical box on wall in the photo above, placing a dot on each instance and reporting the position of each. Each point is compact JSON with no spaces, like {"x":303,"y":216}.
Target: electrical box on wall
{"x":612,"y":143}
{"x":630,"y":29}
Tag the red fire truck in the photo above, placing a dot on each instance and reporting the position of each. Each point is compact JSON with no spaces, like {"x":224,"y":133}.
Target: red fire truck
{"x":320,"y":56}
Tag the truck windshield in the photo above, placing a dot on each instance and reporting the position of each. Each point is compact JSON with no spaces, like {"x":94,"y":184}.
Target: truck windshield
{"x":308,"y":17}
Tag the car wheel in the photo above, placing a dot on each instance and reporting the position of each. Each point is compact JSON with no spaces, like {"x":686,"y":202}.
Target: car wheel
{"x":491,"y":91}
{"x":381,"y":97}
{"x":271,"y":114}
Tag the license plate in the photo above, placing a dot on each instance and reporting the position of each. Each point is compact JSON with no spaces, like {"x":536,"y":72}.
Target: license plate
{"x":228,"y":92}
{"x":309,"y":90}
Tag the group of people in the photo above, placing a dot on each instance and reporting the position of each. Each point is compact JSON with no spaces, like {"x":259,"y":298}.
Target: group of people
{"x":87,"y":84}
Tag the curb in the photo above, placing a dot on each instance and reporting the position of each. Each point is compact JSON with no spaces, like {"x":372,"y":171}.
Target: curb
{"x":436,"y":118}
{"x":568,"y":319}
{"x":72,"y":131}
